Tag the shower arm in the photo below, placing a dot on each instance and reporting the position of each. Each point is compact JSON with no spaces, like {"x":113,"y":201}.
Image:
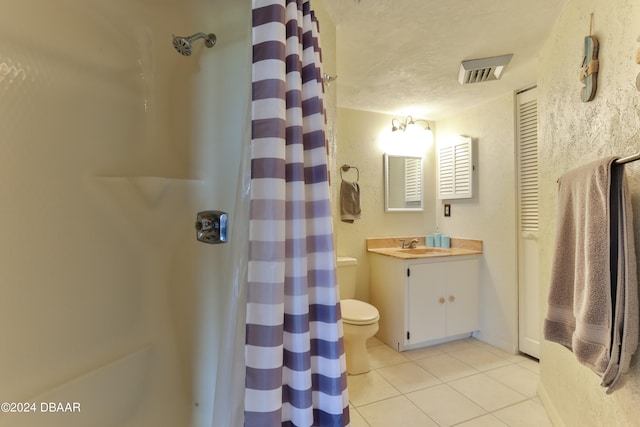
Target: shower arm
{"x":209,"y":39}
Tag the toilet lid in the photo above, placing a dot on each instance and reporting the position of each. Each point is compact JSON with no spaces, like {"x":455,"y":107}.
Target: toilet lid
{"x":357,"y":312}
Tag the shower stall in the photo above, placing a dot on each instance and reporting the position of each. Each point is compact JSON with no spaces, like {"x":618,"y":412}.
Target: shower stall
{"x":111,"y":142}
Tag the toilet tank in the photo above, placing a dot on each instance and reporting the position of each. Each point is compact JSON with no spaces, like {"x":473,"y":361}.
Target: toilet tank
{"x":347,"y":276}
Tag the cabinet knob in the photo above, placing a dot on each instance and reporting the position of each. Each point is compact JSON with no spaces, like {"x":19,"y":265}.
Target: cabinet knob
{"x":452,"y":298}
{"x":442,"y":300}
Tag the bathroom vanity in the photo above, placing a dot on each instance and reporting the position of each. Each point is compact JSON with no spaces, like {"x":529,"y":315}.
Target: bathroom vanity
{"x":424,"y":295}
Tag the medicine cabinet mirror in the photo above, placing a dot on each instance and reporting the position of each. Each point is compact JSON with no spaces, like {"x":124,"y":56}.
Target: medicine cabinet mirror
{"x":403,"y":183}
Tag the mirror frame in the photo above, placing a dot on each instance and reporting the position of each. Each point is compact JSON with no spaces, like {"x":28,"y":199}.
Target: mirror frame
{"x":387,"y":188}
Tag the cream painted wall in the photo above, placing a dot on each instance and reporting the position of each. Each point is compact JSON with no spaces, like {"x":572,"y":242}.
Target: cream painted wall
{"x":111,"y":143}
{"x":359,"y":136}
{"x":490,"y":215}
{"x":329,"y":66}
{"x":573,"y":133}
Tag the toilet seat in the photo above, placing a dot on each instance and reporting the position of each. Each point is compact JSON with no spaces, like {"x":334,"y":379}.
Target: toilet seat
{"x":356,"y":312}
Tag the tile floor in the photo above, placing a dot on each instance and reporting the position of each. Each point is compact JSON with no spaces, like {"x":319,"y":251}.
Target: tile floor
{"x":464,"y":383}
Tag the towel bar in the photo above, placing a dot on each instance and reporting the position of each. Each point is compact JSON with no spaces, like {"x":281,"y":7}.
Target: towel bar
{"x":628,"y":159}
{"x":621,"y":161}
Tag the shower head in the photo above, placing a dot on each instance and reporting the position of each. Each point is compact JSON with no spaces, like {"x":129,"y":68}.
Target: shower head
{"x":183,"y":44}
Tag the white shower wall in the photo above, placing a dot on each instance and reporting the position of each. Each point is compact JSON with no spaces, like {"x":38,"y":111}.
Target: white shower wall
{"x":110,"y":143}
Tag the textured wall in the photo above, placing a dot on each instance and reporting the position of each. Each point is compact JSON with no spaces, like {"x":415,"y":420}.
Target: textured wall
{"x":573,"y":133}
{"x":328,"y":46}
{"x":490,"y":215}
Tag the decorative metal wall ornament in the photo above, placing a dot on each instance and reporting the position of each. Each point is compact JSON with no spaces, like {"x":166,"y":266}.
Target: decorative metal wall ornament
{"x":590,"y":66}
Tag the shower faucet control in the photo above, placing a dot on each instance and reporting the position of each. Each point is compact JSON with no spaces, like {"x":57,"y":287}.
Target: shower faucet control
{"x":211,"y":227}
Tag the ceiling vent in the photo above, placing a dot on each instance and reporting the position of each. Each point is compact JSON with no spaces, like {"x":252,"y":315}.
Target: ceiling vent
{"x":483,"y":69}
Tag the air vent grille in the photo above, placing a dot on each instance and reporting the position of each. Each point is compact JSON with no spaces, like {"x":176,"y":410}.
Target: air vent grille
{"x":483,"y":69}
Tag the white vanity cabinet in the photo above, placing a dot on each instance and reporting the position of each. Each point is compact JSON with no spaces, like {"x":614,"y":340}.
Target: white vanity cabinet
{"x":425,"y":301}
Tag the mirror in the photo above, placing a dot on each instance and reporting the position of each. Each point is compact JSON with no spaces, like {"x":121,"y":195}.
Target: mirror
{"x":402,"y":183}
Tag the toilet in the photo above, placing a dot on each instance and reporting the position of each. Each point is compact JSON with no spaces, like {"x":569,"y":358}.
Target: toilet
{"x":359,"y":319}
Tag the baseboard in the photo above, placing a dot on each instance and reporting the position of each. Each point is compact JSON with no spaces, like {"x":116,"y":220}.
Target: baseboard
{"x":547,"y":402}
{"x":435,"y":342}
{"x":509,"y":347}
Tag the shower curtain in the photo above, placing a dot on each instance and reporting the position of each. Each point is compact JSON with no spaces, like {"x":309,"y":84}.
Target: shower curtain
{"x":294,"y":351}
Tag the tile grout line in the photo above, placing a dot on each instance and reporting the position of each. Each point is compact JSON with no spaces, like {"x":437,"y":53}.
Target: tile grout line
{"x":461,"y":346}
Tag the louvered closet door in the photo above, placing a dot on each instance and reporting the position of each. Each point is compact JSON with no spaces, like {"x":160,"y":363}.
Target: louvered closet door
{"x":528,"y":287}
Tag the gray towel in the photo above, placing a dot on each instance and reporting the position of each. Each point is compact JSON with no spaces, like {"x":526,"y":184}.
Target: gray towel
{"x":593,"y":301}
{"x":625,"y":305}
{"x":349,"y":201}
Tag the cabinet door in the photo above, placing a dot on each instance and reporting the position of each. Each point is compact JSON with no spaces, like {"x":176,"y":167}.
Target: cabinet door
{"x":426,"y":303}
{"x":455,"y":169}
{"x":462,"y":297}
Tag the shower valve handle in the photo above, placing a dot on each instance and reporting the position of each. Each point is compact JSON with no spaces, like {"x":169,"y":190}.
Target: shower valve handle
{"x":211,"y":227}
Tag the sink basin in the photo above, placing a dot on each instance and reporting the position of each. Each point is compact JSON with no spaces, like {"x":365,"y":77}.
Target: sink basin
{"x":423,"y":251}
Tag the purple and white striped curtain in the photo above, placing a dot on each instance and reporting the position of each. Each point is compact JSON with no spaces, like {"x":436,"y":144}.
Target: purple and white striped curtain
{"x":295,"y":366}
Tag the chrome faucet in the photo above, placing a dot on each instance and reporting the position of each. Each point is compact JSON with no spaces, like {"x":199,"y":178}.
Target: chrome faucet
{"x":411,"y":245}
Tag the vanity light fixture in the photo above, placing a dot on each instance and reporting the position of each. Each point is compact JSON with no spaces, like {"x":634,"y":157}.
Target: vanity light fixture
{"x":396,"y":124}
{"x":412,"y":140}
{"x":410,"y":123}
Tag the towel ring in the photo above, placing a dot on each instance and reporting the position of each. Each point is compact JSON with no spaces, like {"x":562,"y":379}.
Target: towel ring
{"x":345,"y":168}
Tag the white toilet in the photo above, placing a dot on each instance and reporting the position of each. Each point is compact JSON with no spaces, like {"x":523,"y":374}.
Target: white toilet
{"x":360,"y":320}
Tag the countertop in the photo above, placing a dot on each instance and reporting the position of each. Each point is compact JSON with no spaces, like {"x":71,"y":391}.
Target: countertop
{"x":392,"y":246}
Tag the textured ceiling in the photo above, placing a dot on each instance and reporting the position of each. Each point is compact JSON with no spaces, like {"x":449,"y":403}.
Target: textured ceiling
{"x":403,"y":56}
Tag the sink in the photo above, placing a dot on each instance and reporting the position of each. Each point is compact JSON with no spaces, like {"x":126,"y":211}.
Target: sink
{"x":423,"y":251}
